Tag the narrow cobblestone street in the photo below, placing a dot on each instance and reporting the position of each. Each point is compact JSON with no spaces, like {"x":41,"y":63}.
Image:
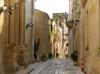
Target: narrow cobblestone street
{"x":49,"y":36}
{"x":57,"y":66}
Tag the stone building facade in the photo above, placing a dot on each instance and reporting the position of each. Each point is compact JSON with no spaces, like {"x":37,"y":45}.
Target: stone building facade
{"x":89,"y":22}
{"x":73,"y":24}
{"x":13,"y":45}
{"x":59,"y":35}
{"x":88,"y":35}
{"x":41,"y":34}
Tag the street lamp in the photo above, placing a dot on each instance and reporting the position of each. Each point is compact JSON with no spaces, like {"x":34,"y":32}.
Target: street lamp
{"x":29,"y":25}
{"x":66,"y":17}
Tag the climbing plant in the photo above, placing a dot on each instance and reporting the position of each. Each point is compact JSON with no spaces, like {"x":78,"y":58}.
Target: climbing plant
{"x":36,"y":47}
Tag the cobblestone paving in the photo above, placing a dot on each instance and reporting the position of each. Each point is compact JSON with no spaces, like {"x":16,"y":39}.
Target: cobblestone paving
{"x":59,"y":66}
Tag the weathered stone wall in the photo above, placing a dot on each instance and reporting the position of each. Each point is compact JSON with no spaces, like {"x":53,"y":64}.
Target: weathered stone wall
{"x":7,"y":44}
{"x":1,"y":35}
{"x":12,"y":35}
{"x":41,"y":32}
{"x":90,"y":26}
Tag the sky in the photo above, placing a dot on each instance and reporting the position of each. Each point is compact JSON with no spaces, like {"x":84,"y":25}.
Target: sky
{"x":52,"y":6}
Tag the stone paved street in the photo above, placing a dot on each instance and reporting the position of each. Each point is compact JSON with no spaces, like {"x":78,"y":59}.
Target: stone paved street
{"x":57,"y":66}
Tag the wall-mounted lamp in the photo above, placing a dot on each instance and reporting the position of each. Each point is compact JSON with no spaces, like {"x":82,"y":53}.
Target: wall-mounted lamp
{"x":5,"y":8}
{"x":29,"y":25}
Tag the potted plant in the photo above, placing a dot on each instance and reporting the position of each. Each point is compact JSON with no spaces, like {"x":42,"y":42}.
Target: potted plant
{"x":74,"y":56}
{"x":57,"y":55}
{"x":43,"y":57}
{"x":50,"y":55}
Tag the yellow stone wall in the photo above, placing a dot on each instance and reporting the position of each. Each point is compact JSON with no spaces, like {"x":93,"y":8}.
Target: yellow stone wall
{"x":41,"y":31}
{"x":1,"y":34}
{"x":12,"y":35}
{"x":89,"y":26}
